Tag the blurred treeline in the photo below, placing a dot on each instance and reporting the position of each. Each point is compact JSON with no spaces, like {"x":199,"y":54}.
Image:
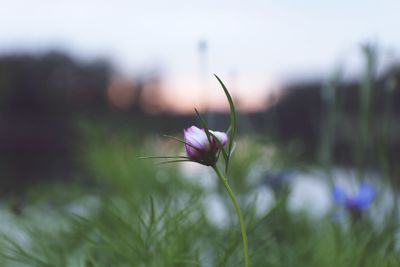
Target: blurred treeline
{"x":351,"y":123}
{"x":44,"y":99}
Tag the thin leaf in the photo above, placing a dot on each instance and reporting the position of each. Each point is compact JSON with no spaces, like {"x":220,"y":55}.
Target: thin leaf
{"x":203,"y":124}
{"x":164,"y":157}
{"x":175,"y":161}
{"x":222,"y":149}
{"x":209,"y":134}
{"x":233,"y":149}
{"x":233,"y":120}
{"x":152,"y":219}
{"x":181,"y":141}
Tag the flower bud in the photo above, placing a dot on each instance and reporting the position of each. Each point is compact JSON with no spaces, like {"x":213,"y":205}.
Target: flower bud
{"x":199,"y":148}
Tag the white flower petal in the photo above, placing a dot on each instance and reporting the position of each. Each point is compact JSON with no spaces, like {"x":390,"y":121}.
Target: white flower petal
{"x":222,"y":137}
{"x":196,"y":137}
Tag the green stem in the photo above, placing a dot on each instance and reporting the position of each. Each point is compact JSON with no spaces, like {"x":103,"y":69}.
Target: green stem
{"x":239,"y":214}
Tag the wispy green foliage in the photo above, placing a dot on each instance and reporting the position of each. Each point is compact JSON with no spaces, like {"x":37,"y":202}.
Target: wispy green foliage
{"x":142,"y":215}
{"x":148,"y":216}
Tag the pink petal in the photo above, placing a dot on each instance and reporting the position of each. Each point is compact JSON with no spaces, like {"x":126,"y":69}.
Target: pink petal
{"x":222,"y":137}
{"x":196,"y":137}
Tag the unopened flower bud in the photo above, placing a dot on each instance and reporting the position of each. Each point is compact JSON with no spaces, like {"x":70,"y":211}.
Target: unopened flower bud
{"x":199,"y":148}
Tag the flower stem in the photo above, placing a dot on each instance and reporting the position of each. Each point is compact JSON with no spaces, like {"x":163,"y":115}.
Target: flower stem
{"x":238,"y":212}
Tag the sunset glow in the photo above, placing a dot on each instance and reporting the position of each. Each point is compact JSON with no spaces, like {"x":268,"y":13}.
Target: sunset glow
{"x":181,"y":95}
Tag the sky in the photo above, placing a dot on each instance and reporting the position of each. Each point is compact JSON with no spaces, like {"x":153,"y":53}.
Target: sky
{"x":254,"y":46}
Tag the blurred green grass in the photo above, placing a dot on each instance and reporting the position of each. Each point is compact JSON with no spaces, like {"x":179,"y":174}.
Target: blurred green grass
{"x":133,"y":212}
{"x":125,"y":211}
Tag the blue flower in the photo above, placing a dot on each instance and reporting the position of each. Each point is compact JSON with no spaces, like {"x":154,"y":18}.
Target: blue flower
{"x":356,"y":203}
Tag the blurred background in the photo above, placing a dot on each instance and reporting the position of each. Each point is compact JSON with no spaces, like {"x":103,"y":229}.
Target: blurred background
{"x":128,"y":62}
{"x":86,"y":87}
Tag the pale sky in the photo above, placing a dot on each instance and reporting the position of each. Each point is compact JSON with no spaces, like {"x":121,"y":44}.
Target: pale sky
{"x":255,"y":46}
